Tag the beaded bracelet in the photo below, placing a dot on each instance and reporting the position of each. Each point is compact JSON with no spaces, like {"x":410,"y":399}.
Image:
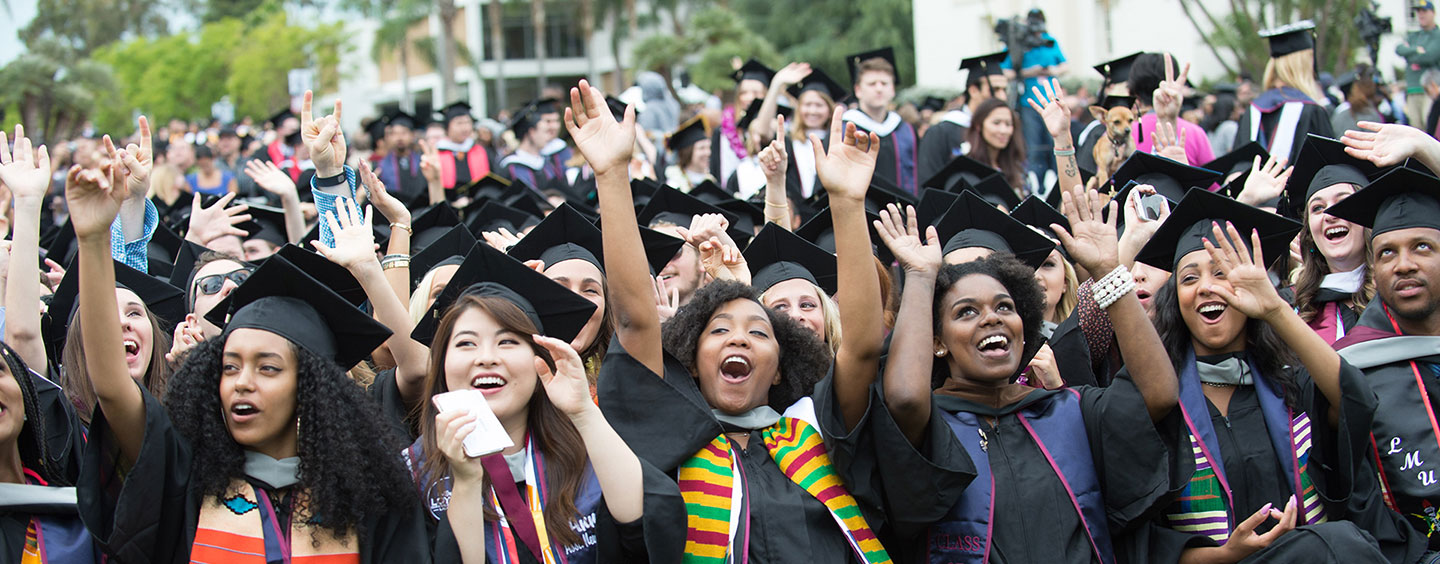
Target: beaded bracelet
{"x":1064,"y":152}
{"x":1113,"y":286}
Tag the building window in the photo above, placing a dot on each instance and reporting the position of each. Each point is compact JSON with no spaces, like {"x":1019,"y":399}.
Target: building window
{"x":562,"y":31}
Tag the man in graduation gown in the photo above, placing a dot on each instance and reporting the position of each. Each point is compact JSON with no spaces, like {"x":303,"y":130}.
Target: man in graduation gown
{"x":281,"y":151}
{"x":875,"y":75}
{"x":400,"y":169}
{"x":944,"y":140}
{"x":1279,"y":118}
{"x":537,"y":126}
{"x":461,"y":158}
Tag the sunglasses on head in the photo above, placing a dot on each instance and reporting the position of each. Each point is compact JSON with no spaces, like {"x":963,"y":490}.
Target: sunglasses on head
{"x":211,"y":285}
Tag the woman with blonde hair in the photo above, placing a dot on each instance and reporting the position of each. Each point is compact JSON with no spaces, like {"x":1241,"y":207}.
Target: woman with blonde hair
{"x":1292,"y":104}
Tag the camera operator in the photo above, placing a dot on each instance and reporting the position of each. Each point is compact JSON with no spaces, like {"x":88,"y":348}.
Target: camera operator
{"x":1421,"y":51}
{"x":1042,"y":60}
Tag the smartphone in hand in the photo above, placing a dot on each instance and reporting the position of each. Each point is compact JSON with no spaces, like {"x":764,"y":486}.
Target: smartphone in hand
{"x":1150,"y":206}
{"x":489,"y":436}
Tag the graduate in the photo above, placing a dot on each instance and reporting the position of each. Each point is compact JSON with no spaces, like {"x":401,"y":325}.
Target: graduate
{"x":973,"y":229}
{"x":796,"y":278}
{"x":815,"y":99}
{"x":1267,"y":408}
{"x":1292,"y":104}
{"x":282,"y":151}
{"x":400,"y":169}
{"x":462,"y":160}
{"x":727,"y":142}
{"x":1055,"y":471}
{"x":537,"y":159}
{"x":262,"y":447}
{"x":946,"y":139}
{"x":692,"y":148}
{"x":875,"y":79}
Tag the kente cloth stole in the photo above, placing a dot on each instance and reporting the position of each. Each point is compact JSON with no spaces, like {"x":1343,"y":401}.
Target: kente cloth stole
{"x":242,"y":528}
{"x":1204,"y":505}
{"x":707,"y":482}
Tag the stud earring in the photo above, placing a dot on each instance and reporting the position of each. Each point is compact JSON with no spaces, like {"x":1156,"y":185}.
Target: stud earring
{"x":939,"y":353}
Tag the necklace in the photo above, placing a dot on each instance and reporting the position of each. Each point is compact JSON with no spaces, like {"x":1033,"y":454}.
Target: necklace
{"x":1217,"y":385}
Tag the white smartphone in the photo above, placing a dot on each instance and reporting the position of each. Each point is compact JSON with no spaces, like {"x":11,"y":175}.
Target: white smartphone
{"x":489,"y":436}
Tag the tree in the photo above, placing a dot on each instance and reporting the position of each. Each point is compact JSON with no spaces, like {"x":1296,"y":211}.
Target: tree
{"x":393,"y":36}
{"x":715,"y":37}
{"x":216,"y":10}
{"x":54,"y":89}
{"x":449,"y":90}
{"x":86,"y":25}
{"x":1236,"y":33}
{"x":537,"y":21}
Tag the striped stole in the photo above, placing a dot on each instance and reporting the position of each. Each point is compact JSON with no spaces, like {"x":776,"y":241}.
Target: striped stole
{"x":242,"y":529}
{"x":707,"y":483}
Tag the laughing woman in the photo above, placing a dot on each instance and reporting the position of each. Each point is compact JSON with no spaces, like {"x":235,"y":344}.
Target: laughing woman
{"x":264,"y":450}
{"x":1058,"y":470}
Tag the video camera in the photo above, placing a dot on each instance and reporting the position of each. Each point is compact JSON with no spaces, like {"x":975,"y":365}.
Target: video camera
{"x":1371,"y":27}
{"x":1020,"y":35}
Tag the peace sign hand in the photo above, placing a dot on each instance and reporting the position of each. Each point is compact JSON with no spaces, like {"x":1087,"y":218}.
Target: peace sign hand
{"x":1168,"y":97}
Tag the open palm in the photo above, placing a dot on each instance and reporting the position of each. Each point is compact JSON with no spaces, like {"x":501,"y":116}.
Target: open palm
{"x":1385,"y":145}
{"x":1091,"y":239}
{"x":901,"y":234}
{"x":845,"y":169}
{"x":605,"y":143}
{"x":1250,"y":289}
{"x":354,"y":239}
{"x":26,"y":172}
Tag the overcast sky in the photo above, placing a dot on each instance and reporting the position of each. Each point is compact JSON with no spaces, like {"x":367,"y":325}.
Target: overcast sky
{"x":21,"y":12}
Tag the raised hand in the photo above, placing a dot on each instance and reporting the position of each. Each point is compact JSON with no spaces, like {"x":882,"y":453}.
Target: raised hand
{"x":667,"y":300}
{"x":52,"y":277}
{"x":1265,"y":183}
{"x":116,"y":163}
{"x":354,"y":238}
{"x":773,"y":159}
{"x":1091,"y":240}
{"x":390,"y":207}
{"x":1044,"y":370}
{"x":1052,"y":107}
{"x":187,"y":334}
{"x":501,"y":240}
{"x":1167,"y":98}
{"x":791,"y":74}
{"x":216,"y":221}
{"x":269,"y":177}
{"x":1243,"y":541}
{"x":724,"y":262}
{"x":1386,"y":144}
{"x":566,"y":385}
{"x":605,"y":143}
{"x":139,"y":161}
{"x":901,"y":233}
{"x":93,"y":200}
{"x":429,"y":162}
{"x":451,"y":428}
{"x":1138,"y":230}
{"x":324,"y":138}
{"x":845,"y":169}
{"x":705,"y":227}
{"x":26,"y":172}
{"x":1250,"y":289}
{"x":1169,"y":143}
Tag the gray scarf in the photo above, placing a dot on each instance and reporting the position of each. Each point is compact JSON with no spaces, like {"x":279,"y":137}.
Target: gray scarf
{"x":278,"y":474}
{"x":1232,"y":370}
{"x":758,"y":418}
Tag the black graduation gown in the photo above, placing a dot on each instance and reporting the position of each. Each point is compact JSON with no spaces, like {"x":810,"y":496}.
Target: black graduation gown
{"x":888,"y":164}
{"x":150,"y":513}
{"x":940,"y":144}
{"x":1314,"y":118}
{"x":666,"y":421}
{"x":64,"y":436}
{"x":385,"y":390}
{"x":1132,"y":465}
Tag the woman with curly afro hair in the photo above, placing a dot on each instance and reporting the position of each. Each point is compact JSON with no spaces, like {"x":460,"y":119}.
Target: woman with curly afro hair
{"x":1018,"y":474}
{"x":729,"y":398}
{"x":262,"y":448}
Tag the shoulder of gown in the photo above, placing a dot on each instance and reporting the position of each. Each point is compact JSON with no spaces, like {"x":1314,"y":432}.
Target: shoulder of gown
{"x":664,"y":420}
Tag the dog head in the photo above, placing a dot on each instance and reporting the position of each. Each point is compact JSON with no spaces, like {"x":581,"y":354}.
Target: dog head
{"x":1117,"y":120}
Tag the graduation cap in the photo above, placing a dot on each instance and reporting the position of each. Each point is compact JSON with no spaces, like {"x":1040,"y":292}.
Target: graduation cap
{"x":428,"y":225}
{"x":1403,"y":198}
{"x":375,"y":128}
{"x":1191,"y":222}
{"x":820,"y":82}
{"x":61,"y":247}
{"x":933,"y":204}
{"x":287,"y":300}
{"x":973,"y":222}
{"x":336,"y":277}
{"x":660,"y":248}
{"x":753,"y":70}
{"x":556,"y":311}
{"x":279,"y":118}
{"x":528,"y":200}
{"x":691,"y":132}
{"x":1117,"y":71}
{"x":984,"y":65}
{"x":1239,"y":159}
{"x":450,"y":248}
{"x":1169,"y":178}
{"x":402,"y":119}
{"x":669,"y":205}
{"x":1323,"y":163}
{"x":711,"y":193}
{"x":641,"y":190}
{"x":748,"y":216}
{"x":617,"y":107}
{"x":491,"y":215}
{"x":932,"y":103}
{"x":959,"y":168}
{"x":887,"y":53}
{"x":1112,"y":101}
{"x":1039,"y":215}
{"x":820,"y":230}
{"x":1290,"y":38}
{"x":564,"y":235}
{"x":266,"y":224}
{"x":164,"y":245}
{"x":165,"y":301}
{"x":753,"y":112}
{"x":454,"y":110}
{"x":528,"y":115}
{"x":777,"y":255}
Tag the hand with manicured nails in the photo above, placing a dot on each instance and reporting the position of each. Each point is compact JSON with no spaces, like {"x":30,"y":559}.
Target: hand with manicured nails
{"x":324,"y":138}
{"x":1091,"y":240}
{"x":901,"y":234}
{"x":566,"y":385}
{"x":605,"y":143}
{"x":26,"y":172}
{"x":1243,"y":541}
{"x":216,"y":221}
{"x":269,"y":177}
{"x":1250,"y":289}
{"x":389,"y":206}
{"x":845,"y":169}
{"x":354,"y":239}
{"x":724,"y":261}
{"x":451,"y":428}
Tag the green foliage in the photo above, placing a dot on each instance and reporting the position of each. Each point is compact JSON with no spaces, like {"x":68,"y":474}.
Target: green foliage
{"x":53,"y":90}
{"x":1234,"y":35}
{"x":87,"y":25}
{"x":715,"y":37}
{"x":824,"y":32}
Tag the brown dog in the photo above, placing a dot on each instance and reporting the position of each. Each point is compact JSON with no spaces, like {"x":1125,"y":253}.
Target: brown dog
{"x":1117,"y":144}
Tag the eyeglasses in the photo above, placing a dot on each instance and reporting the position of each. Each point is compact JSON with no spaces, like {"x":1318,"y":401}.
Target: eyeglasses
{"x":211,"y":285}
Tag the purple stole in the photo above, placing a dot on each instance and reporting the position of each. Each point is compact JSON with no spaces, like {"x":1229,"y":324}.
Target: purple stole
{"x":1057,"y":426}
{"x":906,"y":157}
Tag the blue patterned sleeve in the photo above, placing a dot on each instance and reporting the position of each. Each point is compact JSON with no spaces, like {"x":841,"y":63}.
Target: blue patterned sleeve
{"x":325,"y":203}
{"x":134,"y":253}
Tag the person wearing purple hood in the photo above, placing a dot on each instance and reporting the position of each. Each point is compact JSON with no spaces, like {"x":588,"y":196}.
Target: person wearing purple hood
{"x":1292,"y":104}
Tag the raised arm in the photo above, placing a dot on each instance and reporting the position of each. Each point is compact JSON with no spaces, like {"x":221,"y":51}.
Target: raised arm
{"x":1391,"y":144}
{"x":607,"y":145}
{"x":1251,"y":293}
{"x":764,"y":119}
{"x":94,"y":198}
{"x":1056,"y":115}
{"x":911,"y":362}
{"x":139,"y":160}
{"x":354,"y":249}
{"x":397,"y":273}
{"x":774,"y":161}
{"x":27,"y":173}
{"x":1092,"y":242}
{"x":430,"y":169}
{"x":273,"y":180}
{"x":845,"y":171}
